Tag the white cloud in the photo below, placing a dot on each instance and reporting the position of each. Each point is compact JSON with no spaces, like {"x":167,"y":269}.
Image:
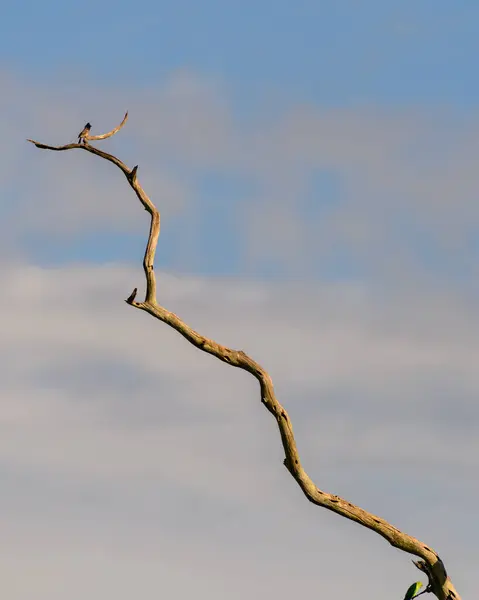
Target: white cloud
{"x":123,"y":445}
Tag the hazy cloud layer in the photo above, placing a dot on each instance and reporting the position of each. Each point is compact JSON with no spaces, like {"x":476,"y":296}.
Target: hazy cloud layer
{"x":132,"y":462}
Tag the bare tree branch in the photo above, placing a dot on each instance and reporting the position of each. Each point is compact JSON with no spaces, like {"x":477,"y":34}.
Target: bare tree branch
{"x":103,"y":136}
{"x":430,"y":564}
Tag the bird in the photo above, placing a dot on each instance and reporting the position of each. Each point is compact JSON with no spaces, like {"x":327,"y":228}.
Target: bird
{"x":84,"y":133}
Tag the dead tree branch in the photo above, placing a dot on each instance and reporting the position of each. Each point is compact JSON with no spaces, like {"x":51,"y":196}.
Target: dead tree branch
{"x":439,"y":583}
{"x":103,"y":136}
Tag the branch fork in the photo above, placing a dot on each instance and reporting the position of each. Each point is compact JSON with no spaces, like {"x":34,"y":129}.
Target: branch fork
{"x":430,"y":564}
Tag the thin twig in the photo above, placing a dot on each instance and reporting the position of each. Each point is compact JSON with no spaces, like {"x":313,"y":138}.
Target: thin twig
{"x":103,"y":136}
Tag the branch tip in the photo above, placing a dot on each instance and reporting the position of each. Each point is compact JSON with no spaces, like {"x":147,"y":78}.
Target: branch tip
{"x":132,"y":296}
{"x":103,"y":136}
{"x":132,"y":176}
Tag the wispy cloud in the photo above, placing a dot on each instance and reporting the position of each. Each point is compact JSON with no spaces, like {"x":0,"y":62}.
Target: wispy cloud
{"x":406,"y":180}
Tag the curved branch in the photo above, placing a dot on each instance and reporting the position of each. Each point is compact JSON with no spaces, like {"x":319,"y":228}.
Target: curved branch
{"x":103,"y":136}
{"x":439,"y":583}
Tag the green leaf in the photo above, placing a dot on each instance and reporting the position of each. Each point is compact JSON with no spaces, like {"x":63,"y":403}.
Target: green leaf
{"x":413,"y":590}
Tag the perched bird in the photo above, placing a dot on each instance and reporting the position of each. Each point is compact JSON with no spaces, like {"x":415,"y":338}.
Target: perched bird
{"x":84,"y":133}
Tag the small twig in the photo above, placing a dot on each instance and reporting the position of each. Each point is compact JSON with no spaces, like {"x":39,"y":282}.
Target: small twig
{"x":103,"y":136}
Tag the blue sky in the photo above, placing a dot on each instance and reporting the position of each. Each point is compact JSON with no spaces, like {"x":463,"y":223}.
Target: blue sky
{"x":315,"y":165}
{"x":332,"y":53}
{"x":264,"y":59}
